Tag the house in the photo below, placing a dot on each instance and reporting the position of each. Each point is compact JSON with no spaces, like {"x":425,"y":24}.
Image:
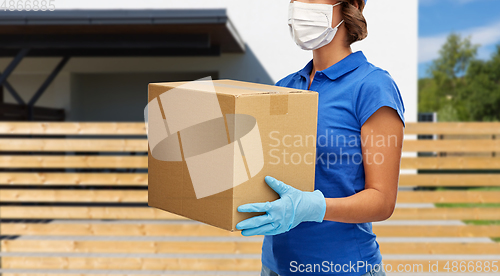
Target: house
{"x":113,"y":49}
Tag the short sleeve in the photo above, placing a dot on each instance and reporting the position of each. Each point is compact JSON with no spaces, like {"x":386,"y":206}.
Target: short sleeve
{"x":376,"y":90}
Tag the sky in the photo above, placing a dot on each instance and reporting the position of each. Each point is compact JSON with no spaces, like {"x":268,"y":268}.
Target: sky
{"x":479,"y":19}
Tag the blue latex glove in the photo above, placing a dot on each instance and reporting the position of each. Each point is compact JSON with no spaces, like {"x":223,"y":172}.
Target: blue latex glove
{"x":292,"y":208}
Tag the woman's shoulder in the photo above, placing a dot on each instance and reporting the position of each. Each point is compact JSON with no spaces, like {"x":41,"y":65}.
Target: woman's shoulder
{"x":285,"y":82}
{"x":375,"y":79}
{"x":373,"y":75}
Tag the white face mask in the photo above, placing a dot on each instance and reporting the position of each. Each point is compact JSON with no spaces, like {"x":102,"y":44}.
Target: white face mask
{"x":311,"y":24}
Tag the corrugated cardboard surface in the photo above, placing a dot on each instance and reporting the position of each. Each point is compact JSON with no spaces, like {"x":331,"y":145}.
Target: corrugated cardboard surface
{"x":280,"y":113}
{"x":300,"y":121}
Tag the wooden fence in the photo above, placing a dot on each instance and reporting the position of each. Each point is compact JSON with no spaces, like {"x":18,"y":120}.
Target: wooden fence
{"x":74,"y":198}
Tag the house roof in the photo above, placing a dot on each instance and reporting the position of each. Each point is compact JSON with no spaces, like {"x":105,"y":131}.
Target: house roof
{"x":174,"y":32}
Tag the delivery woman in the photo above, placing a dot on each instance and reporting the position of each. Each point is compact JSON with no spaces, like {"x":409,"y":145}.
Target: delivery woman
{"x":329,"y":231}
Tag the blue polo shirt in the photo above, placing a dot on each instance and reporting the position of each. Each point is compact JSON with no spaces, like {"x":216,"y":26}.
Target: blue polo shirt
{"x":350,"y":91}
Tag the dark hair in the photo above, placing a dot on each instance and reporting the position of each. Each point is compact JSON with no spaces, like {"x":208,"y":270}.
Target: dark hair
{"x":354,"y":20}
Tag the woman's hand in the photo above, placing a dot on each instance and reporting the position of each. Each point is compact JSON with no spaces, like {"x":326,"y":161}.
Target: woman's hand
{"x":292,"y":208}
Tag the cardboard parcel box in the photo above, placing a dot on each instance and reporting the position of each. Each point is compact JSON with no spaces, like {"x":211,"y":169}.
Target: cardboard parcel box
{"x":212,"y":143}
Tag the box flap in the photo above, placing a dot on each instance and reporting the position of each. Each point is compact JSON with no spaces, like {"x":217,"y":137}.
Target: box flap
{"x":238,"y":88}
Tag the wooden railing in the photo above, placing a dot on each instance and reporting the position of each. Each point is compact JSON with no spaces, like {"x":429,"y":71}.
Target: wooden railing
{"x":74,"y":197}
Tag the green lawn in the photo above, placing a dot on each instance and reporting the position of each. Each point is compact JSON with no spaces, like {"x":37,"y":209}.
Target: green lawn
{"x":485,"y":222}
{"x":474,"y":222}
{"x":482,"y":222}
{"x":469,"y":205}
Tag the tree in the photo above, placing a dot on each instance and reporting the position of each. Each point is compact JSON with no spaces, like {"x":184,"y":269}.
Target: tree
{"x":461,"y":87}
{"x":482,"y":92}
{"x":427,"y":95}
{"x":454,"y":58}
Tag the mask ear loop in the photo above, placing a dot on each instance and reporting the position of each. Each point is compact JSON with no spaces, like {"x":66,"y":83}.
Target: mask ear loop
{"x":340,"y":2}
{"x":340,"y":23}
{"x":332,"y":14}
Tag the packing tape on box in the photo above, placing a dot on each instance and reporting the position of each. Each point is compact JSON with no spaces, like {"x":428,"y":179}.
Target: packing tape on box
{"x":279,"y":104}
{"x":224,"y":151}
{"x":279,"y":99}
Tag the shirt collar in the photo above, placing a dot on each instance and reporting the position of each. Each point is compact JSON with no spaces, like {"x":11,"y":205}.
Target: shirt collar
{"x":306,"y":71}
{"x":346,"y":65}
